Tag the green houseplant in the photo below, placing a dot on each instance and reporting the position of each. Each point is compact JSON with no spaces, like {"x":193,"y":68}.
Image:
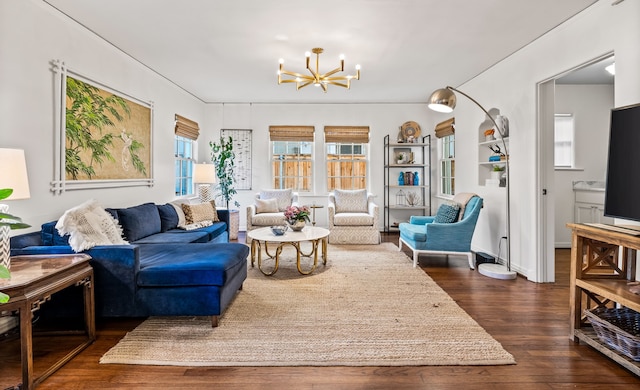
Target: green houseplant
{"x":223,"y":158}
{"x":12,"y":222}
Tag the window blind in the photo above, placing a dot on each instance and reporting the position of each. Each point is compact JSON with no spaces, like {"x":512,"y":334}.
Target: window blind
{"x":446,"y":128}
{"x":347,"y":134}
{"x":291,"y":133}
{"x":187,"y":128}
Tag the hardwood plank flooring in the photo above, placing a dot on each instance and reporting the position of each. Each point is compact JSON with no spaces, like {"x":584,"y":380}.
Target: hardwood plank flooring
{"x":530,"y":320}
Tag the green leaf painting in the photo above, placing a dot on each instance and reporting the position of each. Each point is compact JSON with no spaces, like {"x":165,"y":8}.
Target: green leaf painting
{"x":107,"y":136}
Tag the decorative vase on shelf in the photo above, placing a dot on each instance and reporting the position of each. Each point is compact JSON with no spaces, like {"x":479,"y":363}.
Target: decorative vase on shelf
{"x":297,"y":225}
{"x":416,"y":179}
{"x":401,"y":179}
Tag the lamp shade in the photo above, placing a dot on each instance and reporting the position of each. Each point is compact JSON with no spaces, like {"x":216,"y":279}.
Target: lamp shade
{"x":442,"y":100}
{"x":14,"y":173}
{"x":204,"y":173}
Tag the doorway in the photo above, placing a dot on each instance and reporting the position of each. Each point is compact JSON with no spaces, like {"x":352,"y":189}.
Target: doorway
{"x":586,"y":93}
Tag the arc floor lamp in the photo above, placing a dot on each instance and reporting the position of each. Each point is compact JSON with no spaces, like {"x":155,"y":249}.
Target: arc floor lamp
{"x":444,"y":100}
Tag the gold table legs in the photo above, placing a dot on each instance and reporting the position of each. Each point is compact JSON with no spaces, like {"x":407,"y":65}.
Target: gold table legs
{"x":256,"y":250}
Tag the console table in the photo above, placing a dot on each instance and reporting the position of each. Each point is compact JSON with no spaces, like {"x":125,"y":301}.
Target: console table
{"x":602,"y":263}
{"x":33,"y":280}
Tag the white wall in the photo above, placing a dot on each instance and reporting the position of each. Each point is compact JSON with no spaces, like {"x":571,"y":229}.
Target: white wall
{"x":511,"y":85}
{"x":383,"y":119}
{"x":591,"y":107}
{"x":31,"y":35}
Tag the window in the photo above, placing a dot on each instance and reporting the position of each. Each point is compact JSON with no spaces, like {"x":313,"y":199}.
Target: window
{"x":447,"y":160}
{"x":445,"y":131}
{"x":183,"y":151}
{"x":187,"y":132}
{"x":347,"y":157}
{"x":564,"y":156}
{"x":346,"y":166}
{"x":292,"y":157}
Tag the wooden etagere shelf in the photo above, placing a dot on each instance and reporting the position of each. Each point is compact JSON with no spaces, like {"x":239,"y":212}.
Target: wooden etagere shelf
{"x":603,"y":262}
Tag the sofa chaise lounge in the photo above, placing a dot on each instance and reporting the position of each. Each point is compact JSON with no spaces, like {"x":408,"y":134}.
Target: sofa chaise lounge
{"x":164,"y":270}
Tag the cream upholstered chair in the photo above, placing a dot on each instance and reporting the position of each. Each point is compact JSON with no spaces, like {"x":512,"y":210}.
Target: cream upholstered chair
{"x":268,"y":208}
{"x":353,"y":218}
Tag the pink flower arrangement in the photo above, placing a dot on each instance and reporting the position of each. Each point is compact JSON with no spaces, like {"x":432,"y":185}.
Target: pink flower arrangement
{"x":295,"y":213}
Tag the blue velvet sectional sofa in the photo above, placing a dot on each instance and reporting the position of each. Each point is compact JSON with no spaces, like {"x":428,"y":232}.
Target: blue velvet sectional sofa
{"x":165,"y":271}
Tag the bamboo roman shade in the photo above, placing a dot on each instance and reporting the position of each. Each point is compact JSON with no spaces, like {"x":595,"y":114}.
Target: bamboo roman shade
{"x":446,"y":128}
{"x":291,"y":133}
{"x":187,"y":128}
{"x":347,"y":134}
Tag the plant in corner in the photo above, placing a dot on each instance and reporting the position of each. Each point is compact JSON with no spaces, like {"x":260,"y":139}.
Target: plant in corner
{"x":12,"y":222}
{"x":223,"y":158}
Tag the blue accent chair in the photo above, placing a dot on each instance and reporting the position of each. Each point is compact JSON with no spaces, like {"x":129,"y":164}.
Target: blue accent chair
{"x":422,"y":235}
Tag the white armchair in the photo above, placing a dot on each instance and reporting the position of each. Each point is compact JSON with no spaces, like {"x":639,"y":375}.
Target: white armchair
{"x":353,"y":218}
{"x":269,"y":207}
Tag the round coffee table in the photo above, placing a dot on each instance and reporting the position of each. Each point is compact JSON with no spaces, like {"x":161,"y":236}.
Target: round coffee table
{"x":263,"y":236}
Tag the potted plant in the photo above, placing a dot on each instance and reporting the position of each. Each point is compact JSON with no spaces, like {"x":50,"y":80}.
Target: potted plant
{"x":223,"y":159}
{"x":496,"y":173}
{"x":297,"y":217}
{"x":11,"y":222}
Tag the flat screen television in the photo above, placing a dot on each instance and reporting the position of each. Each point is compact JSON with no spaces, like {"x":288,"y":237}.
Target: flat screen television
{"x":622,"y":188}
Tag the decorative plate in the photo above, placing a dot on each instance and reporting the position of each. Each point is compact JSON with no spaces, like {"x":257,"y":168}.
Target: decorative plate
{"x":410,"y":129}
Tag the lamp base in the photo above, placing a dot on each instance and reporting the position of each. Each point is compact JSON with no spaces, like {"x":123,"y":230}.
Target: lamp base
{"x":204,"y":190}
{"x":496,"y":271}
{"x":5,"y":247}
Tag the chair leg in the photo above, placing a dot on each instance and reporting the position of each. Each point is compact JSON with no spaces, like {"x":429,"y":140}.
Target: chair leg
{"x":214,"y":321}
{"x":470,"y":257}
{"x":399,"y":244}
{"x":415,"y":259}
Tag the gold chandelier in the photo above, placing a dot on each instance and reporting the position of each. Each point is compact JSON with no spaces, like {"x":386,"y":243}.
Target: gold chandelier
{"x":317,"y":79}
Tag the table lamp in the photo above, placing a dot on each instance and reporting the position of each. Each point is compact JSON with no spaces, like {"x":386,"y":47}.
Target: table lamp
{"x":204,"y":175}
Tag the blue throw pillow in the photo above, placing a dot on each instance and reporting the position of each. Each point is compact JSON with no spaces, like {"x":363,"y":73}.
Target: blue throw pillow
{"x":168,"y":217}
{"x":447,"y":213}
{"x":139,"y":221}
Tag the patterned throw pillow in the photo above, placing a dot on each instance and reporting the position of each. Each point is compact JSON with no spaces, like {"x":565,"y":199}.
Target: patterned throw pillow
{"x":196,"y":225}
{"x":282,"y":196}
{"x":89,"y":225}
{"x":447,"y":213}
{"x":350,"y":201}
{"x":266,"y":206}
{"x":200,"y":212}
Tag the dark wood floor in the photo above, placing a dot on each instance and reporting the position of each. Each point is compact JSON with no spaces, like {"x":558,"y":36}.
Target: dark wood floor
{"x":530,"y":320}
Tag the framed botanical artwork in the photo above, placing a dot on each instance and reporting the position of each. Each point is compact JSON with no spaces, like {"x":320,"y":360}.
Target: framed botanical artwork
{"x":241,"y":139}
{"x":104,"y":137}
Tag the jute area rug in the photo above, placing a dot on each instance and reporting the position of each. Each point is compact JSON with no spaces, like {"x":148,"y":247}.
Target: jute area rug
{"x":367,"y":307}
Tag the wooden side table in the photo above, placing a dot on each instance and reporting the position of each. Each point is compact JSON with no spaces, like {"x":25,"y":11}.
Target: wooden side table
{"x":33,"y":280}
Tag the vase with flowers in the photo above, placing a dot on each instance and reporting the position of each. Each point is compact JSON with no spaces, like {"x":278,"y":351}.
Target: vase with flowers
{"x":297,"y":217}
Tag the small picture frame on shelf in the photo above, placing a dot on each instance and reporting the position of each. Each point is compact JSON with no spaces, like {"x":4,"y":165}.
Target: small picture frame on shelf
{"x":402,"y":155}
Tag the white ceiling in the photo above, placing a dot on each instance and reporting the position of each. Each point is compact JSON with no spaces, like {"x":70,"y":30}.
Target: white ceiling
{"x":228,"y":51}
{"x":591,"y":74}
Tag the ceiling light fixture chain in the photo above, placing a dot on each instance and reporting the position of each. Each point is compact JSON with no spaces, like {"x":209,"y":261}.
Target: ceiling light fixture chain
{"x":316,"y":78}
